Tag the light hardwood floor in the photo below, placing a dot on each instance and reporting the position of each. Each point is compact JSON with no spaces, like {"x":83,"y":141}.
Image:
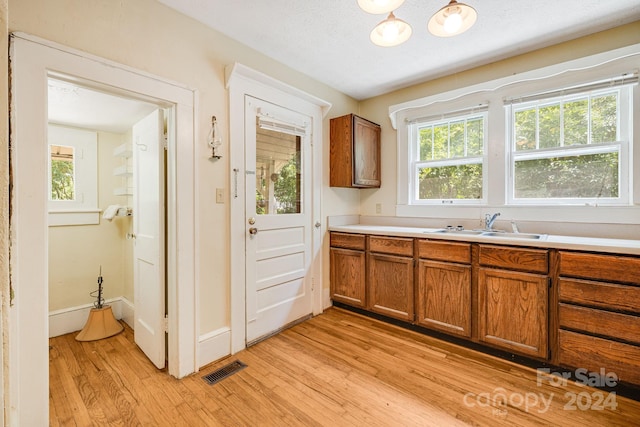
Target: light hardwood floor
{"x":337,"y":369}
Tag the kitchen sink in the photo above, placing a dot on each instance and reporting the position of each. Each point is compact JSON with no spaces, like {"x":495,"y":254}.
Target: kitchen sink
{"x":507,"y":235}
{"x":454,"y":231}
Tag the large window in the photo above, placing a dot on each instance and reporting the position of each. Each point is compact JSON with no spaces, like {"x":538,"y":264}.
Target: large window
{"x":448,"y":159}
{"x":570,"y":149}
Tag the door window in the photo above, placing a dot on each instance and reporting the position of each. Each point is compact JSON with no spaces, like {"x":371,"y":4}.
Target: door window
{"x":278,"y":170}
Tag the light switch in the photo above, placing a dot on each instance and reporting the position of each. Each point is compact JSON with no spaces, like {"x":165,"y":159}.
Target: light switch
{"x":219,"y":195}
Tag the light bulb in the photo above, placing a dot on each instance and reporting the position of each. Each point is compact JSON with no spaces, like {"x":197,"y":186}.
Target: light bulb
{"x":390,"y":31}
{"x":453,"y":22}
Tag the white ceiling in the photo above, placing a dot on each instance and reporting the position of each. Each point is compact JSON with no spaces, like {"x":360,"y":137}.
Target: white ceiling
{"x":329,"y":39}
{"x":73,"y":105}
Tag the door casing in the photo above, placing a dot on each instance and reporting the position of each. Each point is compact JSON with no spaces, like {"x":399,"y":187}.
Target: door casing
{"x":33,"y":60}
{"x":243,"y":81}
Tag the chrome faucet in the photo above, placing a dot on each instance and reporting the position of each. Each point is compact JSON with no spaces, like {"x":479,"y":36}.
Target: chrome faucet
{"x":489,"y":220}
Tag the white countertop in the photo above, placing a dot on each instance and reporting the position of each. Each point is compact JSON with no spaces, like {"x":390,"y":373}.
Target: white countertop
{"x":618,"y":246}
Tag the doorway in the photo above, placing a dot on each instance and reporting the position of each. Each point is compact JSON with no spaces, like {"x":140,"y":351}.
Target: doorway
{"x":33,"y":61}
{"x":286,"y":265}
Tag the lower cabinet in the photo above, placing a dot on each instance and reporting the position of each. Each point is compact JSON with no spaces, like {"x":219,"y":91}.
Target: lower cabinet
{"x":390,"y":277}
{"x":513,"y":299}
{"x":599,"y":314}
{"x":512,"y":311}
{"x":348,"y":270}
{"x":444,"y":287}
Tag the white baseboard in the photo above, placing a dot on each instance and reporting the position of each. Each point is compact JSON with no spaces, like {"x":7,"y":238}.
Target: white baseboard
{"x":127,"y":312}
{"x":213,"y":346}
{"x":73,"y":319}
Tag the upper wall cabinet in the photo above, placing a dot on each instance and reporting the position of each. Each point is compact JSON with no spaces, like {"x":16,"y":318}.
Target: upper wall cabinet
{"x":355,"y":152}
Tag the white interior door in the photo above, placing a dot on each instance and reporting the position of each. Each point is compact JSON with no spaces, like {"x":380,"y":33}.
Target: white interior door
{"x":278,"y":217}
{"x":148,"y":228}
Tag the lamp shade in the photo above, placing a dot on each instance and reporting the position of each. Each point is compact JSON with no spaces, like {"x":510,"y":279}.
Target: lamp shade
{"x":453,"y":19}
{"x":391,"y":32}
{"x":379,"y":7}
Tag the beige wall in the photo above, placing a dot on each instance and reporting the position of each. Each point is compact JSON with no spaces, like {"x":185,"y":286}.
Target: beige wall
{"x":149,"y":36}
{"x":77,"y":252}
{"x":377,"y":109}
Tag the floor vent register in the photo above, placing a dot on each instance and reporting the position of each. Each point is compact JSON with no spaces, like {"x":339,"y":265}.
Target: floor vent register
{"x":224,"y":372}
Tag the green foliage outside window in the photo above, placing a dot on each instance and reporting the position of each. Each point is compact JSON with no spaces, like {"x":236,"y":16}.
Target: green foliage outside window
{"x":567,"y":125}
{"x":62,"y":184}
{"x":444,"y":142}
{"x":286,"y":188}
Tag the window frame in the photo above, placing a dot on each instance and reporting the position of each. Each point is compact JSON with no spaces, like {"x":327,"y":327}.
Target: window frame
{"x":621,"y":146}
{"x":416,"y":163}
{"x":84,"y":209}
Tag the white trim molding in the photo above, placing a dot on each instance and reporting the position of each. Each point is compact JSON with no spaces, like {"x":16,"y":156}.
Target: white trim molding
{"x":214,"y":346}
{"x":73,"y":319}
{"x":32,"y":60}
{"x":243,"y":81}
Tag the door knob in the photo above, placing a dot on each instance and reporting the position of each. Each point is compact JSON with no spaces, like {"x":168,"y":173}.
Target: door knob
{"x":253,"y":230}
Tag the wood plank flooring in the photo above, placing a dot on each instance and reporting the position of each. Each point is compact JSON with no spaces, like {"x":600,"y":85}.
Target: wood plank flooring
{"x":337,"y":369}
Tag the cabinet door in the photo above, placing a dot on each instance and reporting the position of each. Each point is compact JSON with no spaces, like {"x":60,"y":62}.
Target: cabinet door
{"x":444,"y":297}
{"x":348,"y":277}
{"x":366,"y":153}
{"x":512,"y":311}
{"x":390,"y":286}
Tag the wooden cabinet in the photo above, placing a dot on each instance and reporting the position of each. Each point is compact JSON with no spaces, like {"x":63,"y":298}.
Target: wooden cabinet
{"x":390,"y":277}
{"x":599,"y":313}
{"x":354,"y":152}
{"x":512,"y":301}
{"x":444,"y":287}
{"x":348,"y":270}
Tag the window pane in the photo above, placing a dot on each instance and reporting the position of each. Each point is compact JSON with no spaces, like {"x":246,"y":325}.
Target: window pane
{"x":450,"y":182}
{"x":278,"y":172}
{"x":426,"y":143}
{"x":549,"y":118}
{"x":475,"y":137}
{"x":576,"y":122}
{"x":441,"y":142}
{"x":604,"y":119}
{"x":587,"y":176}
{"x":456,"y":139}
{"x":525,"y":127}
{"x":62,"y":173}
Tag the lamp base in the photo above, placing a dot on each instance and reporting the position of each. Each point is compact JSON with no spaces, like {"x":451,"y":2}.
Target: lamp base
{"x":101,"y":324}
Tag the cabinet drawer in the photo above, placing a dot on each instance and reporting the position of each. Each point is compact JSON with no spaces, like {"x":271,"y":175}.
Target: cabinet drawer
{"x":599,"y":322}
{"x":347,"y":241}
{"x":522,"y":259}
{"x":602,"y":295}
{"x":604,"y":267}
{"x":584,"y":351}
{"x":445,"y":251}
{"x":391,"y":245}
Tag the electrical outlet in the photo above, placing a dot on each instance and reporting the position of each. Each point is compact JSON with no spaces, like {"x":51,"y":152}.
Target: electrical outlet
{"x":219,"y":195}
{"x":378,"y":208}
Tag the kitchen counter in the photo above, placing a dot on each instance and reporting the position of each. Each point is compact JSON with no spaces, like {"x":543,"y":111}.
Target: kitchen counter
{"x":617,"y":246}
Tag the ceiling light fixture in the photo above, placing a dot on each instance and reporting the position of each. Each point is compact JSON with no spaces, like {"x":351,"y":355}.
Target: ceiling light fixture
{"x":378,"y":7}
{"x":391,"y":32}
{"x":453,"y":19}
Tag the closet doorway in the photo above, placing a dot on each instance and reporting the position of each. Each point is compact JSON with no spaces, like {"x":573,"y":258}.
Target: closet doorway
{"x":106,"y":162}
{"x":33,"y":62}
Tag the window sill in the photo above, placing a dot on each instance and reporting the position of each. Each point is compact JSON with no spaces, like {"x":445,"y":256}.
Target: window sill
{"x":74,"y":217}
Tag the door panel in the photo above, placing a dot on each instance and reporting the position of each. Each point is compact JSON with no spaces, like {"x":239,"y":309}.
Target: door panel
{"x":278,"y":213}
{"x":148,"y":228}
